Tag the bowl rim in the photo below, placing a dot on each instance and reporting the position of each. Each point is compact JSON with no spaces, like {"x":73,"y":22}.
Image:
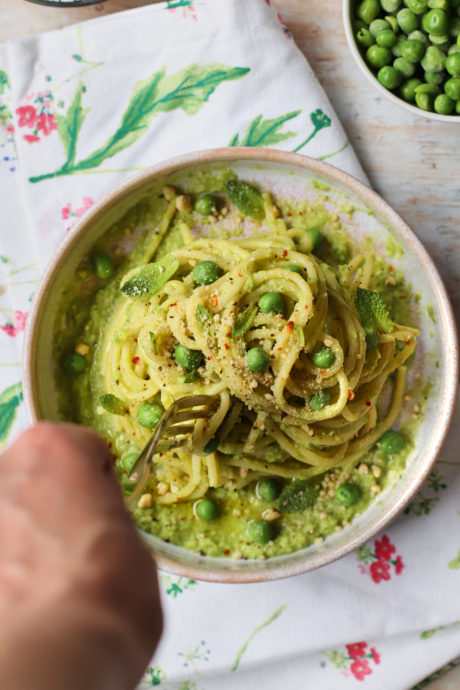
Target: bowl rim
{"x":446,"y":323}
{"x":346,"y":15}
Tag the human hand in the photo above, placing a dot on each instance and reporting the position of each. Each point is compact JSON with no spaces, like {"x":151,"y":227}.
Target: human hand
{"x":79,"y":602}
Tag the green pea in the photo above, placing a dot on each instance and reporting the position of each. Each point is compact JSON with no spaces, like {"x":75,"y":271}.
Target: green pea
{"x":389,"y":77}
{"x":74,"y":364}
{"x":452,"y":88}
{"x":435,"y":78}
{"x":324,"y":357}
{"x":394,"y":26}
{"x":434,"y":60}
{"x":206,"y":204}
{"x":187,"y":358}
{"x":377,"y":26}
{"x":391,"y":442}
{"x":364,"y":38}
{"x":149,"y":414}
{"x":406,"y":68}
{"x":316,"y":238}
{"x":396,"y":49}
{"x":407,"y":20}
{"x":418,"y":35}
{"x":102,"y":265}
{"x":268,"y":489}
{"x":412,"y":51}
{"x":417,"y":6}
{"x":436,"y":22}
{"x":206,"y":509}
{"x":368,"y":10}
{"x":347,"y":494}
{"x":257,"y":359}
{"x":271,"y":303}
{"x":453,"y":49}
{"x":453,"y":64}
{"x":386,"y":38}
{"x":212,"y":445}
{"x":295,"y":268}
{"x":261,"y":531}
{"x":378,"y":56}
{"x":441,"y":41}
{"x":372,"y":339}
{"x":439,"y":4}
{"x":457,"y":107}
{"x":320,"y":400}
{"x":128,"y":461}
{"x":206,"y":272}
{"x":390,"y":6}
{"x":358,"y":24}
{"x":407,"y":90}
{"x":443,"y":104}
{"x":425,"y":101}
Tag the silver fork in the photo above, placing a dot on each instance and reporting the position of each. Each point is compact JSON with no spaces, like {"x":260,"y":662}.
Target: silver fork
{"x":174,"y":430}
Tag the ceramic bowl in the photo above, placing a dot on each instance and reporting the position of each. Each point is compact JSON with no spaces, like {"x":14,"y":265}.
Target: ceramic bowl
{"x":347,"y":7}
{"x":299,"y":177}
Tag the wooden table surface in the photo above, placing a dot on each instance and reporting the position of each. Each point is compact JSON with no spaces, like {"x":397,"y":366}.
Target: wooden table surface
{"x":411,"y":161}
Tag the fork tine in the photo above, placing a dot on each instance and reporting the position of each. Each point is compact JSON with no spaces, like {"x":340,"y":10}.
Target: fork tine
{"x":179,"y":430}
{"x":195,"y":401}
{"x":185,"y":416}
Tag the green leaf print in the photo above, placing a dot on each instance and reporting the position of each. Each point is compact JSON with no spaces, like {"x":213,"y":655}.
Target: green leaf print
{"x":262,"y":132}
{"x":260,"y":627}
{"x":189,"y":89}
{"x":319,"y":121}
{"x":4,"y":82}
{"x":69,"y":126}
{"x":10,"y":400}
{"x":454,"y":564}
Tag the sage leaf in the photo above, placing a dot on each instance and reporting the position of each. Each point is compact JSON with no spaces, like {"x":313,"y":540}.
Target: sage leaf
{"x":298,"y":495}
{"x":244,"y":321}
{"x":204,"y":319}
{"x":149,"y":278}
{"x":113,"y":404}
{"x":246,"y":198}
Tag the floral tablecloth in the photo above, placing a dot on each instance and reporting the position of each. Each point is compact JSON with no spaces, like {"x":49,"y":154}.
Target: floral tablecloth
{"x":80,"y":110}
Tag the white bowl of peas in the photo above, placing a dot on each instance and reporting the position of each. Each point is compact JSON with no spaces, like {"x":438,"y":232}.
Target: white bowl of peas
{"x":410,"y":51}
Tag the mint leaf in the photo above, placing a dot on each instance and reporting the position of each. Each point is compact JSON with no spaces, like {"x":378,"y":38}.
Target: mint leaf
{"x":297,"y":495}
{"x":246,"y":198}
{"x":372,"y":310}
{"x":204,"y":319}
{"x":148,"y":279}
{"x":244,"y":321}
{"x":113,"y":404}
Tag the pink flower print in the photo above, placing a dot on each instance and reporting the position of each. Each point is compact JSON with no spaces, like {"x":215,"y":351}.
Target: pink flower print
{"x":46,"y":123}
{"x":356,"y":650}
{"x":384,"y":548}
{"x":27,"y":116}
{"x":380,"y":570}
{"x":66,"y":211}
{"x":375,"y":655}
{"x":87,"y":202}
{"x":30,"y":138}
{"x":399,"y":565}
{"x":360,"y":668}
{"x":18,"y":325}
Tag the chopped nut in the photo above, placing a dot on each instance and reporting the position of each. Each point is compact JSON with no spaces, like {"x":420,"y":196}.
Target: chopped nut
{"x":363,"y":468}
{"x":82,"y":349}
{"x":236,"y":555}
{"x":169,"y":192}
{"x":270,"y":514}
{"x":223,"y":211}
{"x":145,"y":501}
{"x":243,"y":472}
{"x":376,"y":471}
{"x":319,"y":540}
{"x":236,"y":512}
{"x":375,"y":489}
{"x":328,"y":342}
{"x":276,"y":212}
{"x":162,"y":488}
{"x":346,"y":523}
{"x":183,"y":203}
{"x":391,"y":280}
{"x":322,"y":516}
{"x":416,"y":407}
{"x":117,"y":251}
{"x":417,"y":375}
{"x":407,"y":397}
